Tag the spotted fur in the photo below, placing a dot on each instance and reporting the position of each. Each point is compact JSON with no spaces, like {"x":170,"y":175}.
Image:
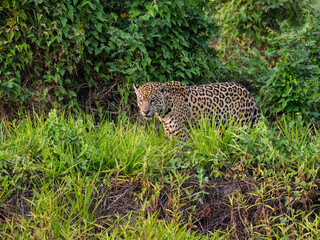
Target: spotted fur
{"x":177,"y":105}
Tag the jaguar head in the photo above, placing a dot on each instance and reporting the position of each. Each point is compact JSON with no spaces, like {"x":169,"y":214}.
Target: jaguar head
{"x":150,"y":98}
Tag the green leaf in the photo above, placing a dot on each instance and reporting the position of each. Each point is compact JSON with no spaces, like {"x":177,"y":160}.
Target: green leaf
{"x":179,"y":3}
{"x":72,"y":93}
{"x":168,"y":15}
{"x":100,"y":16}
{"x":65,"y":31}
{"x":63,"y":21}
{"x":99,"y":27}
{"x":134,"y":13}
{"x":194,"y":28}
{"x":152,"y":13}
{"x":10,"y":36}
{"x":71,"y":12}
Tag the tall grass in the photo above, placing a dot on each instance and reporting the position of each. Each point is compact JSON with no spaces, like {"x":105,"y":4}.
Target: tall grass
{"x":289,"y":146}
{"x":62,"y":145}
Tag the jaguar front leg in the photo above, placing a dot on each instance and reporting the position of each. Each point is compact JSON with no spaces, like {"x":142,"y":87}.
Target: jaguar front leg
{"x":178,"y":131}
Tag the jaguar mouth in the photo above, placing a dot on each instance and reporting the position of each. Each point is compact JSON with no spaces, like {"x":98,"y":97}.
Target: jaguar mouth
{"x":147,"y":117}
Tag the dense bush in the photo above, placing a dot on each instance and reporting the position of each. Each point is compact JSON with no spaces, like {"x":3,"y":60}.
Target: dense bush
{"x":286,"y":76}
{"x":253,"y":20}
{"x":88,"y":52}
{"x":163,"y":40}
{"x":294,"y":83}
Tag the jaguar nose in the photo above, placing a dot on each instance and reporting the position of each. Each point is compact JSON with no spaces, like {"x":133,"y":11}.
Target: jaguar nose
{"x":146,"y":112}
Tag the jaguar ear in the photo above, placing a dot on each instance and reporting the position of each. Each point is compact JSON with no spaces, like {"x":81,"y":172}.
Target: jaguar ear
{"x":135,"y":87}
{"x":163,"y":88}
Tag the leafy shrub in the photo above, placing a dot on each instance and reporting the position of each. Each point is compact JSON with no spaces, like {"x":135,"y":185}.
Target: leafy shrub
{"x":41,"y":45}
{"x":90,"y":52}
{"x":254,"y":19}
{"x":286,"y":76}
{"x":293,"y":85}
{"x":162,"y":41}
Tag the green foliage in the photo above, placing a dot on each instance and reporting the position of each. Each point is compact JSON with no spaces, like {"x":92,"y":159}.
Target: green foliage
{"x":161,"y":41}
{"x":57,"y":51}
{"x":284,"y":77}
{"x":294,"y":82}
{"x":41,"y":46}
{"x":254,"y":19}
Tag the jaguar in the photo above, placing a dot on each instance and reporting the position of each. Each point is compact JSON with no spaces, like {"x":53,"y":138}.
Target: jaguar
{"x":177,"y":105}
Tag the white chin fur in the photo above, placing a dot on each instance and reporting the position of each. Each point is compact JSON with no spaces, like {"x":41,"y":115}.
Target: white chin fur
{"x":147,"y":118}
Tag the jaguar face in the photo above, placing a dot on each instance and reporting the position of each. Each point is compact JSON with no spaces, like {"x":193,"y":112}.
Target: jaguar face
{"x":150,"y":98}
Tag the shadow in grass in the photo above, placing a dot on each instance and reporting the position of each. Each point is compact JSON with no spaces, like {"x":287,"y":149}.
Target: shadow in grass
{"x":247,"y":206}
{"x":244,"y":206}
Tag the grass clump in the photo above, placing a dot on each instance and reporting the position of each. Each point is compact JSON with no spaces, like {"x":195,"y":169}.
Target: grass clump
{"x":60,"y":145}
